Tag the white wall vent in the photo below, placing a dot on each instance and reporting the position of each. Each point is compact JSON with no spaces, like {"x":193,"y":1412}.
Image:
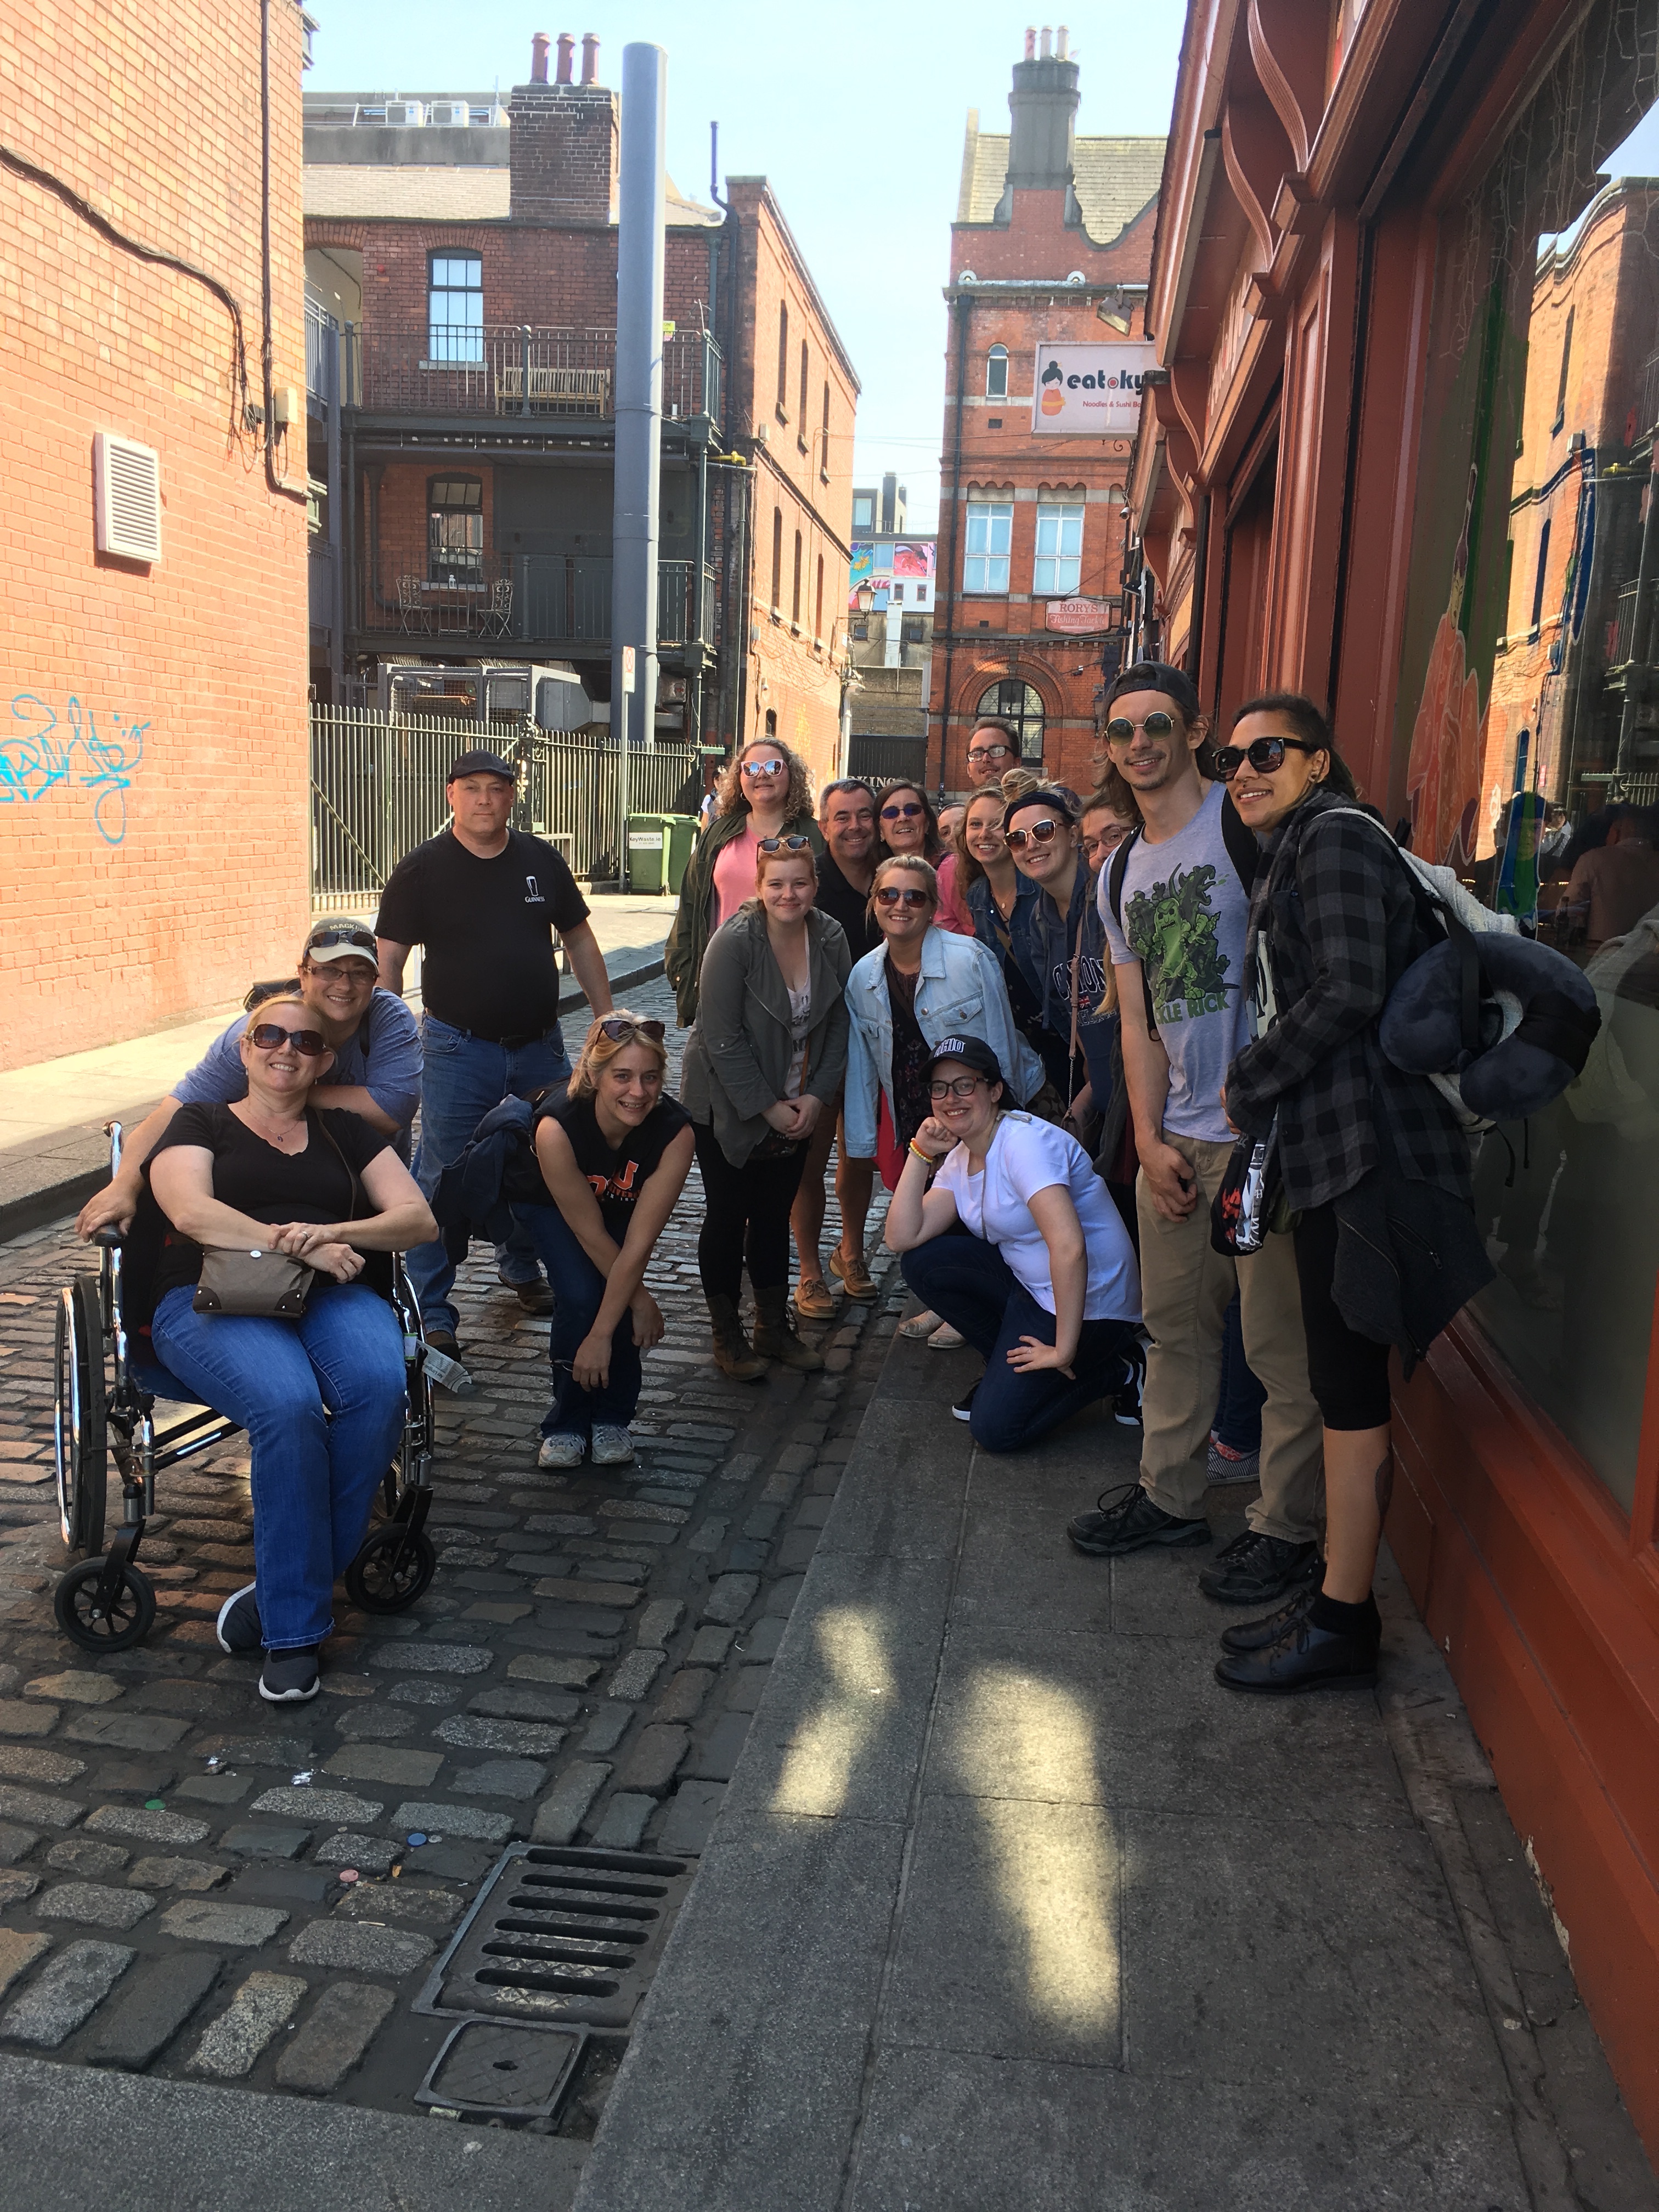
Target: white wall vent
{"x":449,"y":115}
{"x":404,"y":114}
{"x":127,"y":495}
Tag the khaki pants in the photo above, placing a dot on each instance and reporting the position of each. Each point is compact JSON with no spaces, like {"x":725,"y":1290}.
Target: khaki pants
{"x":1186,"y":1288}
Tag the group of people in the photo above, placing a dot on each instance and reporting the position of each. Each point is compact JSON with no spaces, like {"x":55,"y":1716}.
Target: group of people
{"x":1046,"y":1037}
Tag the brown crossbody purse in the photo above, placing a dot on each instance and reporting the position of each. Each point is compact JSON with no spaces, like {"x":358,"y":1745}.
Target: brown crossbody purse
{"x":259,"y":1285}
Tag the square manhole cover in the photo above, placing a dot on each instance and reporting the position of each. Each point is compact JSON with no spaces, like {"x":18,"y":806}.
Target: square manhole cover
{"x":561,"y":1932}
{"x":506,"y":2073}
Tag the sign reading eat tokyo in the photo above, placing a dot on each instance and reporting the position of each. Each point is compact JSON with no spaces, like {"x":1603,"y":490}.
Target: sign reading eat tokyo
{"x":1093,"y":389}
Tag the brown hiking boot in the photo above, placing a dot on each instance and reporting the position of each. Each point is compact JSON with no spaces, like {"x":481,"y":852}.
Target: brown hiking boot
{"x":733,"y":1353}
{"x":774,"y":1332}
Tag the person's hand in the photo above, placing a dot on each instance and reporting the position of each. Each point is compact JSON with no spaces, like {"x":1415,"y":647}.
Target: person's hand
{"x":934,"y":1138}
{"x":1031,"y":1356}
{"x":113,"y":1207}
{"x":781,"y":1116}
{"x":649,"y":1326}
{"x":1170,"y":1180}
{"x":807,"y":1110}
{"x":591,"y":1368}
{"x":342,"y":1261}
{"x":300,"y":1239}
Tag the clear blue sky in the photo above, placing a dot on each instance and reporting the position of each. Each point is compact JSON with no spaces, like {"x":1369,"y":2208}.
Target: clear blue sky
{"x":855,"y":116}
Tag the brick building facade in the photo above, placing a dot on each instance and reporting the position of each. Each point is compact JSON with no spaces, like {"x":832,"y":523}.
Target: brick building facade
{"x":152,"y":776}
{"x":1050,"y":249}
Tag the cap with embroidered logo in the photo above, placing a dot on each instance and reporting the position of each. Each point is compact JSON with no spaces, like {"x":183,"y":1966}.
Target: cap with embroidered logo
{"x":972,"y":1052}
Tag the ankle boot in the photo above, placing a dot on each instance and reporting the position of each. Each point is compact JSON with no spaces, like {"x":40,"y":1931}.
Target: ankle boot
{"x":733,"y":1353}
{"x":774,"y":1332}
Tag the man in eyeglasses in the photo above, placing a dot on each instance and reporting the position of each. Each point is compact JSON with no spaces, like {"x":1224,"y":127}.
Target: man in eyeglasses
{"x":993,"y":749}
{"x":376,"y":1071}
{"x":1175,"y":901}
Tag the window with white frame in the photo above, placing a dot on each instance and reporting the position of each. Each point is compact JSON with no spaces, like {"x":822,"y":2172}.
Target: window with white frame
{"x":996,"y":373}
{"x":454,"y":531}
{"x":990,"y":537}
{"x":1058,"y":570}
{"x":454,"y":307}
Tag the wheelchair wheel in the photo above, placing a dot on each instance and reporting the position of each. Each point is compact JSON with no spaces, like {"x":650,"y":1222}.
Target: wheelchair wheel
{"x":393,"y":1569}
{"x":79,"y":1427}
{"x":85,"y":1622}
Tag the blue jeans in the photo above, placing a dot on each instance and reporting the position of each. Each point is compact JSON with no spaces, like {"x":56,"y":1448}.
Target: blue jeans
{"x":968,"y":1282}
{"x":579,"y":1288}
{"x":1238,"y":1411}
{"x":464,"y":1076}
{"x":322,"y":1401}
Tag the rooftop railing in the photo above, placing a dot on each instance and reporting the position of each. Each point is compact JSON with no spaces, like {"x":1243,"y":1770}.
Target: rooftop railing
{"x":518,"y":371}
{"x":509,"y":599}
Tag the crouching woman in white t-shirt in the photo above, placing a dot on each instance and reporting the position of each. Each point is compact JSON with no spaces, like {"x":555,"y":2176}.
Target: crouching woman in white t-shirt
{"x":1044,"y":1284}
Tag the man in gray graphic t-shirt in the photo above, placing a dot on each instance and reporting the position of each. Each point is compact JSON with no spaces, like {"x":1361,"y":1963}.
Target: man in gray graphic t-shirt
{"x":1175,"y":901}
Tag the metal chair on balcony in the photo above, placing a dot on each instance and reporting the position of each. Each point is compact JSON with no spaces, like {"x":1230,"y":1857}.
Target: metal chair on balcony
{"x":412,"y":614}
{"x":498,"y":615}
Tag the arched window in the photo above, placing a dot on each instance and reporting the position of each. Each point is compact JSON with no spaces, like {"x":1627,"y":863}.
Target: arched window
{"x":1020,"y":705}
{"x":996,"y":373}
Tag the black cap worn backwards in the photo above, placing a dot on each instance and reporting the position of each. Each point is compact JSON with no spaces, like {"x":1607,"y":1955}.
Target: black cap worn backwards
{"x":481,"y":762}
{"x":1158,"y":675}
{"x":972,"y":1052}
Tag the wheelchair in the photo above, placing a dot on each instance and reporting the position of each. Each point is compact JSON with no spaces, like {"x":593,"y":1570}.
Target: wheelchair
{"x":106,"y":1383}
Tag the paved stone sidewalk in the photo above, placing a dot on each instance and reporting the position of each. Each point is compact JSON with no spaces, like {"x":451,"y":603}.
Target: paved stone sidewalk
{"x":586,"y":1665}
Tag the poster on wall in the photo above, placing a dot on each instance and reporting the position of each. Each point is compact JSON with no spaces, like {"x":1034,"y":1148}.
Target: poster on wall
{"x":1091,"y":390}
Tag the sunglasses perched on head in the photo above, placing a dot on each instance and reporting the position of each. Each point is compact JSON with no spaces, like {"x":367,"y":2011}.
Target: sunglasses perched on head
{"x":1039,"y":833}
{"x":796,"y":844}
{"x":909,"y":810}
{"x":896,"y":895}
{"x":763,"y":768}
{"x":272,"y":1036}
{"x":1121,"y":729}
{"x":1264,"y":755}
{"x":620,"y":1027}
{"x":320,"y":940}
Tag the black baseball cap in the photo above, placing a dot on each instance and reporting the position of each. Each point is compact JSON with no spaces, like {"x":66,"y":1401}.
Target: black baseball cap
{"x":972,"y":1052}
{"x":1158,"y":675}
{"x":480,"y":761}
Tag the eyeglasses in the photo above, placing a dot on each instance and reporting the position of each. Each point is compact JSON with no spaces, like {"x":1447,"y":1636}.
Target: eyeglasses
{"x":964,"y":1087}
{"x":892,"y":894}
{"x":321,"y":940}
{"x":988,"y":752}
{"x":1121,"y":729}
{"x":272,"y":1036}
{"x":909,"y":811}
{"x":620,"y":1027}
{"x":1039,"y":833}
{"x":1265,"y":755}
{"x":763,"y":768}
{"x":1106,"y":841}
{"x":785,"y":844}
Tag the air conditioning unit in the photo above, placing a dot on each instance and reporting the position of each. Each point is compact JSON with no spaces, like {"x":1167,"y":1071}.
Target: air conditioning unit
{"x":404,"y":114}
{"x":449,"y":115}
{"x":126,"y":497}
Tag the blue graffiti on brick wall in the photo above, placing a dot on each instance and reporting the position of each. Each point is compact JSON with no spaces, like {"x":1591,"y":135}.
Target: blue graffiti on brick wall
{"x":43,"y":750}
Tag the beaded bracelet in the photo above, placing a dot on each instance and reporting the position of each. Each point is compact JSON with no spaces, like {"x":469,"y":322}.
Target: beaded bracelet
{"x":926,"y":1159}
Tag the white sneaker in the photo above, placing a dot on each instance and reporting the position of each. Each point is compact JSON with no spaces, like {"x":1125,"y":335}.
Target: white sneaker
{"x":562,"y":1449}
{"x":612,"y":1447}
{"x":238,"y":1626}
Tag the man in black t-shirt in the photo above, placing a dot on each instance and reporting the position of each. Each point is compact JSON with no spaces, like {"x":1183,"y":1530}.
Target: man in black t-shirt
{"x":847,"y":867}
{"x":483,"y":900}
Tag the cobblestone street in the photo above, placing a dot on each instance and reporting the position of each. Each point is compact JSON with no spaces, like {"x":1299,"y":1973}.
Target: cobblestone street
{"x":202,"y":1886}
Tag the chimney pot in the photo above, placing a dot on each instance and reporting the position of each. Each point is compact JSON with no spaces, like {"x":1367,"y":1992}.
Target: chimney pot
{"x":1048,"y":43}
{"x":538,"y":59}
{"x":1063,"y":40}
{"x":1030,"y":46}
{"x":566,"y":48}
{"x":590,"y":58}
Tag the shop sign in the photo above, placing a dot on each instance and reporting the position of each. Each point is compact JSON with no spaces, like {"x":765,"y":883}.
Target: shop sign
{"x":1091,"y":389}
{"x":1079,"y":618}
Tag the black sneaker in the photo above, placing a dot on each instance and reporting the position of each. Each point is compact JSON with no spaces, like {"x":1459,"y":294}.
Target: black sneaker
{"x":1126,"y":1404}
{"x":1255,"y":1570}
{"x":289,"y":1678}
{"x":238,"y":1626}
{"x":964,"y":1408}
{"x":1257,"y":1634}
{"x":1131,"y":1524}
{"x":1304,"y":1657}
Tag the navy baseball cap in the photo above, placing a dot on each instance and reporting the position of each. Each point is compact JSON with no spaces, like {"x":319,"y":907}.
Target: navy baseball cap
{"x":972,"y":1052}
{"x":481,"y":762}
{"x":1158,"y":675}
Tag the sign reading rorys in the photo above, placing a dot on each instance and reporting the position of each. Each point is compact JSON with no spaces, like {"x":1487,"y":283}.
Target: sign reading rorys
{"x":1091,"y":389}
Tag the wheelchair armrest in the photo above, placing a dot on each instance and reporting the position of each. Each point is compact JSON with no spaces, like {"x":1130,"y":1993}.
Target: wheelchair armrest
{"x":109,"y":1238}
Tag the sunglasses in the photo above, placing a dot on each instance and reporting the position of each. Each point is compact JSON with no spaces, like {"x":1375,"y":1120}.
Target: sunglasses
{"x":892,"y":894}
{"x":988,"y":752}
{"x":321,"y":939}
{"x":763,"y":768}
{"x":785,"y":844}
{"x":1039,"y":833}
{"x":1264,"y":755}
{"x":963,"y":1086}
{"x":909,"y":811}
{"x":1121,"y":729}
{"x":620,"y":1027}
{"x":272,"y":1036}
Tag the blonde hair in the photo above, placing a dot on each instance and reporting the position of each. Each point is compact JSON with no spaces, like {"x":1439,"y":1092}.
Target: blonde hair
{"x":764,"y":860}
{"x":286,"y":996}
{"x":729,"y":795}
{"x":913,"y":865}
{"x":1015,"y":782}
{"x":598,"y":1050}
{"x":968,"y":870}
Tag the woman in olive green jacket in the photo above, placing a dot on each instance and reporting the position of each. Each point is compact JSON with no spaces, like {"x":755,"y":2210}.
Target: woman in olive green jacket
{"x":765,"y":792}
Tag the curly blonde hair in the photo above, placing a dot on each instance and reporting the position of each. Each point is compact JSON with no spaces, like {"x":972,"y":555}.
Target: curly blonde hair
{"x":729,"y":796}
{"x":598,"y":1048}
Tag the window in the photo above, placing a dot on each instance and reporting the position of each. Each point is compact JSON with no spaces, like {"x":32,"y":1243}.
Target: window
{"x":454,"y":529}
{"x":882,"y":561}
{"x":898,"y":595}
{"x":1020,"y":705}
{"x":771,"y":722}
{"x":912,"y":629}
{"x":817,"y":604}
{"x":1059,"y":567}
{"x":1561,"y":389}
{"x":783,"y":363}
{"x":825,"y":465}
{"x":996,"y":373}
{"x":777,"y":559}
{"x":794,"y":588}
{"x":861,"y":631}
{"x":805,"y":371}
{"x":454,"y":307}
{"x":990,"y":533}
{"x":1543,"y":571}
{"x":864,"y":512}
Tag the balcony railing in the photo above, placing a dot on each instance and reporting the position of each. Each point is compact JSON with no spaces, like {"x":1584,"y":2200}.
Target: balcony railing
{"x":522,"y":373}
{"x":320,"y":329}
{"x":509,"y":599}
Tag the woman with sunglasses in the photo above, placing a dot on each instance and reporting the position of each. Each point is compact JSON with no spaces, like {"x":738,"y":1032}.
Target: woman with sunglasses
{"x":906,"y":823}
{"x":1067,"y":942}
{"x":1044,"y":1284}
{"x":767,"y":1050}
{"x":322,"y":1398}
{"x":374,"y":1070}
{"x":766,"y":791}
{"x":614,"y":1154}
{"x":1368,"y":1155}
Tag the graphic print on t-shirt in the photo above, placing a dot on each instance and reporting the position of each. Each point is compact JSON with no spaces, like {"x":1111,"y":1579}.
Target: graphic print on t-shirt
{"x":616,"y":1186}
{"x":1172,"y":930}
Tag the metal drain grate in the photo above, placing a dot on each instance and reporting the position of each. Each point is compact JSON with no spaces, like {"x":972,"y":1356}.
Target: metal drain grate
{"x":559,"y":1933}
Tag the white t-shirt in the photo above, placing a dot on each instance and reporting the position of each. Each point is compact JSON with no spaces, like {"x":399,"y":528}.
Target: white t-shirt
{"x":800,"y":1022}
{"x":1027,"y":1155}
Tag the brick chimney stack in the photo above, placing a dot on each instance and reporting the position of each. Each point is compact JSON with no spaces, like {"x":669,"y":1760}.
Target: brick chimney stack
{"x":564,"y":145}
{"x":1043,"y":105}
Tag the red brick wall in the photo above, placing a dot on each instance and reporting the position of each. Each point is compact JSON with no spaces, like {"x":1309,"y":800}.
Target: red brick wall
{"x":154,"y":789}
{"x":565,"y":143}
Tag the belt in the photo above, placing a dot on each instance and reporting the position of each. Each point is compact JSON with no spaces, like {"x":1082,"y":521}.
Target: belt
{"x":516,"y":1043}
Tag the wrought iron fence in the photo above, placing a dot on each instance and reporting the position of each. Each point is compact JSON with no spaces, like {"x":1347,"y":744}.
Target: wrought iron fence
{"x":377,"y":791}
{"x":888,"y":760}
{"x":519,"y":369}
{"x":524,"y":598}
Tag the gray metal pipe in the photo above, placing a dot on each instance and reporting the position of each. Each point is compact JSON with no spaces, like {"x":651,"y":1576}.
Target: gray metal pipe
{"x":640,"y":257}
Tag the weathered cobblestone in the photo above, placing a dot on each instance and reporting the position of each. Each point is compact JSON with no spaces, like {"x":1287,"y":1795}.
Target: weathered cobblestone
{"x":148,"y":1825}
{"x":622,"y":1822}
{"x":633,"y":1678}
{"x":260,"y":2007}
{"x":64,"y":1992}
{"x":453,"y":1820}
{"x":95,"y":1904}
{"x":362,"y":1945}
{"x":177,"y":1873}
{"x":239,"y":1927}
{"x":333,"y":2040}
{"x":137,"y":2027}
{"x":319,"y":1805}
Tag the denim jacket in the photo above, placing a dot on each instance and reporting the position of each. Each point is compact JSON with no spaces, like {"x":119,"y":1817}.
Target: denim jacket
{"x":959,"y":993}
{"x":987,"y":925}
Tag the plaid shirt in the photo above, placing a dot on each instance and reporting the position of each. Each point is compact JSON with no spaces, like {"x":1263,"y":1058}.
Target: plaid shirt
{"x":1335,"y":916}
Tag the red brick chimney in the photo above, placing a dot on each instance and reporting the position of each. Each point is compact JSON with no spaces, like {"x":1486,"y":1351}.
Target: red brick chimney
{"x":563,"y":150}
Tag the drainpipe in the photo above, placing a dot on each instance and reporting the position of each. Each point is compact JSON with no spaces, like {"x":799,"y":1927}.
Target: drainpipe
{"x":640,"y":256}
{"x":965,"y":307}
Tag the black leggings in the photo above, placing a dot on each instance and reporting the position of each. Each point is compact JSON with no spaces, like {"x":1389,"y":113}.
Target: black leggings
{"x":1348,"y":1374}
{"x":745,"y":1216}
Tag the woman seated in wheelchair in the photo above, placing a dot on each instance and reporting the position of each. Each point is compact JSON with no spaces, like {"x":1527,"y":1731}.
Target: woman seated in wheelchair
{"x":321,"y":1396}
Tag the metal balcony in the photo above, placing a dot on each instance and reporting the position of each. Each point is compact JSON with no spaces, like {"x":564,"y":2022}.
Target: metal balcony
{"x":519,"y":372}
{"x":510,"y":602}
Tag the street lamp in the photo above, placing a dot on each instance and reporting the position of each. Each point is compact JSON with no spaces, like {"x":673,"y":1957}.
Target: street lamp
{"x":863,"y":598}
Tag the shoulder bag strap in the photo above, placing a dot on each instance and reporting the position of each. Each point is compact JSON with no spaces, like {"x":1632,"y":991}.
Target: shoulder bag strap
{"x":356,"y":1188}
